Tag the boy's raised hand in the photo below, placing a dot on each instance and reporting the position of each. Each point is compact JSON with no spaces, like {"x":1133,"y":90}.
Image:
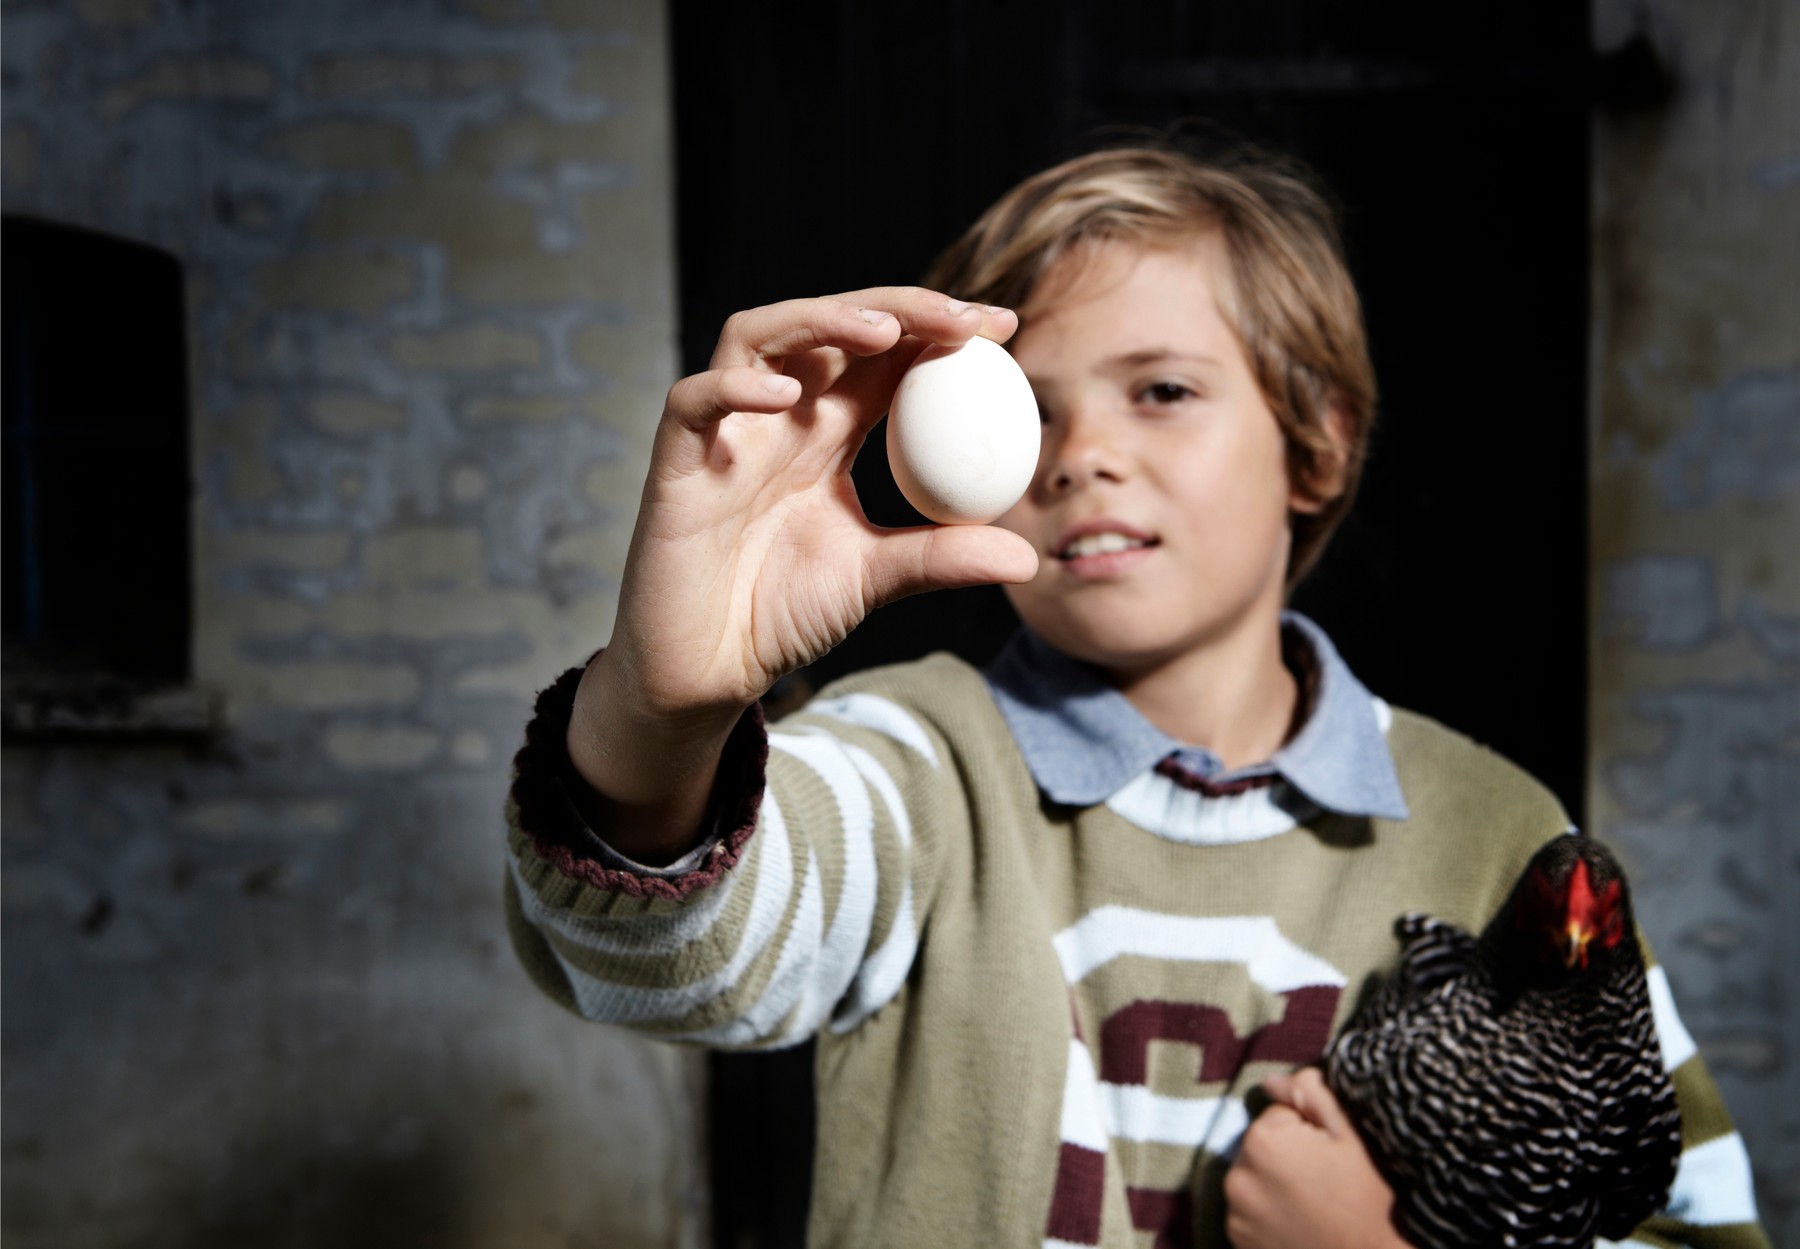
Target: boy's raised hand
{"x":751,"y":555}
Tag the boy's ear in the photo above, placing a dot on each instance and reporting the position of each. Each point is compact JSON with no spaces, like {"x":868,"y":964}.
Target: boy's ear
{"x":1318,"y":483}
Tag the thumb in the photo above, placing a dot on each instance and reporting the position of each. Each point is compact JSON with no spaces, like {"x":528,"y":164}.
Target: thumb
{"x":945,"y":557}
{"x":1306,"y":1092}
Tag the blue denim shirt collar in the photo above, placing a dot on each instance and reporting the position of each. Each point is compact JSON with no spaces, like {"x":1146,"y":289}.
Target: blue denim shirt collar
{"x":1083,"y":740}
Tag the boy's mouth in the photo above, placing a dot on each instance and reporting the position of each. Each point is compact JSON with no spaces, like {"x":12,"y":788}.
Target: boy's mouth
{"x":1101,"y":544}
{"x":1086,"y":541}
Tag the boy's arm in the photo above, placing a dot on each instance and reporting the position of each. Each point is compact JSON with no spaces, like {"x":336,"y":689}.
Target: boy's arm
{"x":803,"y":913}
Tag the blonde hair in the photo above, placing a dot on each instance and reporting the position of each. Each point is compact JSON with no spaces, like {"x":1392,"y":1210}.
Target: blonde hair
{"x":1287,"y":292}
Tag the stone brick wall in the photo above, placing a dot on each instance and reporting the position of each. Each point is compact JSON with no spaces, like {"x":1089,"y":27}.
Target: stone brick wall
{"x":1695,"y":711}
{"x":259,"y":994}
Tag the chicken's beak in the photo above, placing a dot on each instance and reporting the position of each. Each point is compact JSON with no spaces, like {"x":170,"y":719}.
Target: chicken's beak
{"x":1578,"y":935}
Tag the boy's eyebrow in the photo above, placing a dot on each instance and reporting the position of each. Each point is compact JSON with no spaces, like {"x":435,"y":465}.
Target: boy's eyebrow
{"x":1127,"y":361}
{"x":1157,"y":355}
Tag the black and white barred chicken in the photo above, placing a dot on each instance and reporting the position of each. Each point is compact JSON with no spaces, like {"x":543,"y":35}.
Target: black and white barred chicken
{"x":1511,"y":1088}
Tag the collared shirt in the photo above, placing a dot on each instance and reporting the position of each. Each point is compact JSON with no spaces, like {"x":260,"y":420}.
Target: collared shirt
{"x":1084,"y":741}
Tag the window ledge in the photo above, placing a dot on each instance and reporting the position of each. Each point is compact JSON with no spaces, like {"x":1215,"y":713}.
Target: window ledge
{"x":107,"y":710}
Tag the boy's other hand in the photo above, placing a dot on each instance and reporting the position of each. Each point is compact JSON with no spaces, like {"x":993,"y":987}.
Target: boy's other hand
{"x":1303,"y":1179}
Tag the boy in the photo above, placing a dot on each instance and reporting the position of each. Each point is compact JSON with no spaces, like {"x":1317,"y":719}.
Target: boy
{"x":1052,"y":922}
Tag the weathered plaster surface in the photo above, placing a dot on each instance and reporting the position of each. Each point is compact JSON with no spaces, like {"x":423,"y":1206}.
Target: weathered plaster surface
{"x":1695,"y":708}
{"x":259,"y":994}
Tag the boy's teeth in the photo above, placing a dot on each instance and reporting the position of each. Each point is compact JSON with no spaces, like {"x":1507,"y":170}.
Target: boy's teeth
{"x":1100,"y":544}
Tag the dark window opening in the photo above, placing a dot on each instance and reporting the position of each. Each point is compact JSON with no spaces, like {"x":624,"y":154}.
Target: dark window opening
{"x":97,"y":490}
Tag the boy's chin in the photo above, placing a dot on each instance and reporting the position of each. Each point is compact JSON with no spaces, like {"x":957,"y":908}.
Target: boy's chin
{"x":1118,"y":657}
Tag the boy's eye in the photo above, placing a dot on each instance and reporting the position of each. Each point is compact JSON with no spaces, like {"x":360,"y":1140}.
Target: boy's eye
{"x":1166,"y":392}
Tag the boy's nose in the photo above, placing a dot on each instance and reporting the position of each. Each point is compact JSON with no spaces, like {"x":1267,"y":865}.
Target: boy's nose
{"x":1079,"y":453}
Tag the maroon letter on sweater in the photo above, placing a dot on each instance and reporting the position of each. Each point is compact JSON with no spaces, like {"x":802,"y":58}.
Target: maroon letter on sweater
{"x":1076,"y":1200}
{"x":1299,"y":1037}
{"x":1169,"y":1215}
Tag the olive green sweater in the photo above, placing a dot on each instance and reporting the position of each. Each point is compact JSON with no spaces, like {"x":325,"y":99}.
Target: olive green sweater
{"x":1037,"y":1024}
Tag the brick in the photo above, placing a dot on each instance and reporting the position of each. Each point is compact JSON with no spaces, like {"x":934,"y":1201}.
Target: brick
{"x":242,"y":435}
{"x":356,"y":414}
{"x":466,"y":483}
{"x":559,"y":638}
{"x":44,"y":887}
{"x":521,"y":141}
{"x":432,"y":556}
{"x":419,"y":615}
{"x":346,"y":146}
{"x":467,"y":348}
{"x":638,"y":357}
{"x":119,"y":13}
{"x":380,"y":749}
{"x":383,"y":76}
{"x":329,"y":686}
{"x":18,"y":159}
{"x":260,"y":616}
{"x":621,"y":257}
{"x":239,"y":817}
{"x":598,"y":550}
{"x":455,"y":208}
{"x":310,"y":551}
{"x":620,"y":70}
{"x":491,"y":238}
{"x":634,"y":25}
{"x":616,"y":485}
{"x":340,"y":283}
{"x":530,"y":409}
{"x":497,"y":12}
{"x":218,"y":79}
{"x":471,"y":748}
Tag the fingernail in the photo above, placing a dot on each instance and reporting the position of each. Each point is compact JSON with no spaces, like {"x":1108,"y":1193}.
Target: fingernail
{"x":780,"y":384}
{"x":874,"y":316}
{"x":955,"y":306}
{"x":996,"y":309}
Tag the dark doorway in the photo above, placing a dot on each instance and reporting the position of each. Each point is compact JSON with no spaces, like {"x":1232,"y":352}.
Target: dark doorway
{"x":841,"y":145}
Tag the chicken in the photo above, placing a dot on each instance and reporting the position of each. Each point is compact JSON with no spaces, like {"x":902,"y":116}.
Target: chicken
{"x":1511,"y":1088}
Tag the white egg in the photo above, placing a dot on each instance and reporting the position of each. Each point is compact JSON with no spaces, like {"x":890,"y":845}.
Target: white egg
{"x":963,"y":433}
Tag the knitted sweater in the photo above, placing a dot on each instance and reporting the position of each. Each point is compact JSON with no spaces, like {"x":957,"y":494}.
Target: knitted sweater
{"x":1037,"y":1023}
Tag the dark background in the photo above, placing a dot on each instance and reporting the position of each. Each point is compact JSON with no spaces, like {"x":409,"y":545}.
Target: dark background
{"x":844,"y":145}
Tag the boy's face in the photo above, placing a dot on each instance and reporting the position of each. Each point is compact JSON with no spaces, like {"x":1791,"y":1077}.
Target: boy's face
{"x":1161,"y":502}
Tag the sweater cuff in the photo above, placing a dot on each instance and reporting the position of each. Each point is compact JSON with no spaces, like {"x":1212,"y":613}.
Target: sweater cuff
{"x":544,"y":780}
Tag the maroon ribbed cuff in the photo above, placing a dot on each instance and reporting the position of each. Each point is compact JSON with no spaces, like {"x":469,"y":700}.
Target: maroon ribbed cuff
{"x":543,"y":777}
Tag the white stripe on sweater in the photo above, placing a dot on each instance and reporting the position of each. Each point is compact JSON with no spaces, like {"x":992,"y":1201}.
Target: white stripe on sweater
{"x":1215,"y":1123}
{"x":841,"y":949}
{"x":1272,"y":961}
{"x":611,"y":1002}
{"x":1083,"y":1112}
{"x":793,"y":970}
{"x":1677,"y":1043}
{"x":871,"y":711}
{"x":884,"y":971}
{"x":1713,"y":1184}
